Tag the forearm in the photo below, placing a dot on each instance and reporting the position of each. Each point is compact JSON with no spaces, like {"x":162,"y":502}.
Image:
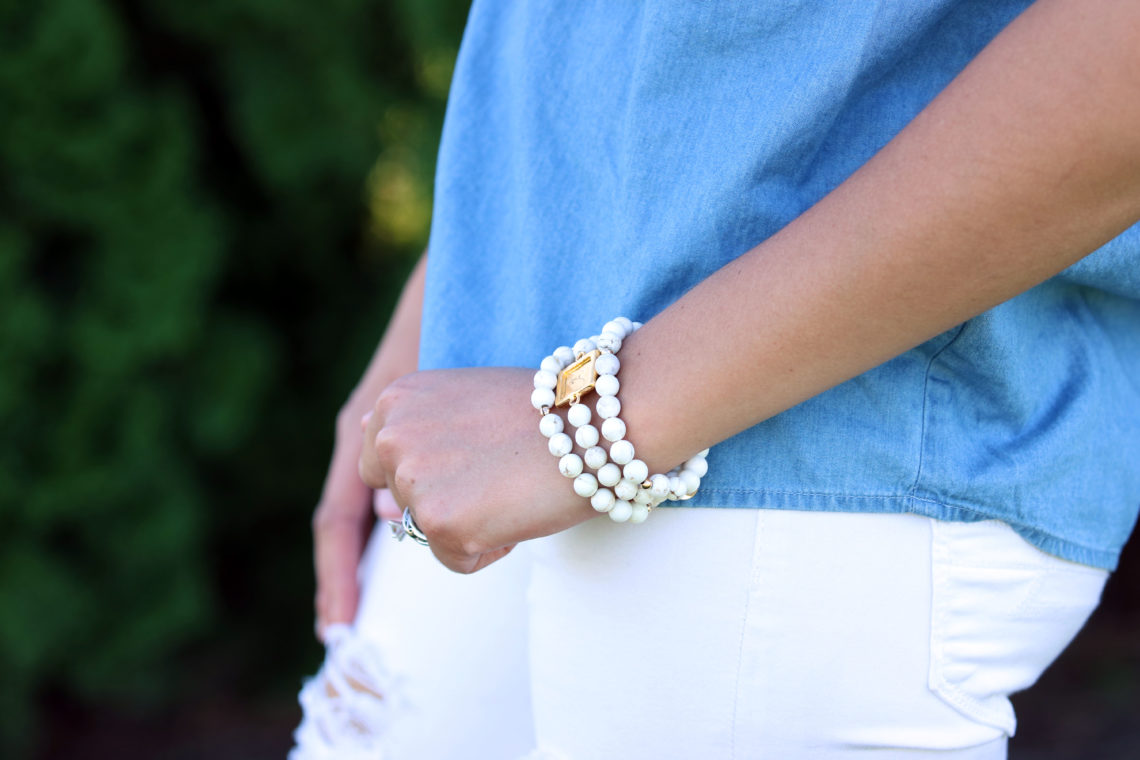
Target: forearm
{"x":343,"y":518}
{"x":398,"y":351}
{"x":1028,"y":161}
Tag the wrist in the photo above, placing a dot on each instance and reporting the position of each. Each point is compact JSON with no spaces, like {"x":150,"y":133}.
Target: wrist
{"x":651,"y":391}
{"x":596,"y":452}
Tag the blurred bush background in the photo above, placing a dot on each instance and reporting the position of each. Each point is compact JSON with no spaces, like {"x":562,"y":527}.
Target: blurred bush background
{"x":206,"y":211}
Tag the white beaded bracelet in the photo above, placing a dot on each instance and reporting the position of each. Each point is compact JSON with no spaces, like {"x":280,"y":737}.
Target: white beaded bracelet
{"x":622,"y":487}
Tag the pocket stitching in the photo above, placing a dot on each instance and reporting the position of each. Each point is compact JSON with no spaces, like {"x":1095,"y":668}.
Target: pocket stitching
{"x":951,"y":694}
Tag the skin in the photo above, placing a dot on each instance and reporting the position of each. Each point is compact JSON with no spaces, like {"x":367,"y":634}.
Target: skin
{"x":1028,"y":161}
{"x":344,"y":516}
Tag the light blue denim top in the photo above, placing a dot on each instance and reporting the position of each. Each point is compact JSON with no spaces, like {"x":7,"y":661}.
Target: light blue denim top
{"x":600,"y":158}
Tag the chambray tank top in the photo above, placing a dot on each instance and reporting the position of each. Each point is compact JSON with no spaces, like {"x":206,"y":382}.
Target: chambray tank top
{"x":600,"y":158}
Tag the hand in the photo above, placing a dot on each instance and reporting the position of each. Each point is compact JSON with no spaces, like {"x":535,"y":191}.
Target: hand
{"x":341,"y":524}
{"x":385,"y":506}
{"x":343,"y":518}
{"x":461,"y":448}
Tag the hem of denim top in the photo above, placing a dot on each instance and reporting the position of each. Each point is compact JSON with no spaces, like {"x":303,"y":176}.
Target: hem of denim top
{"x":821,"y":501}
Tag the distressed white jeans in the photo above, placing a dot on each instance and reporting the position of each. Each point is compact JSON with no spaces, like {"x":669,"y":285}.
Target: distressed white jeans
{"x":702,"y":633}
{"x":442,"y":658}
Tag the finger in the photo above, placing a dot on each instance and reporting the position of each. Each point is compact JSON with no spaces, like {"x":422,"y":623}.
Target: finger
{"x":369,"y":469}
{"x":466,"y":563}
{"x":339,"y":542}
{"x":385,"y":506}
{"x":489,"y":557}
{"x":341,"y":526}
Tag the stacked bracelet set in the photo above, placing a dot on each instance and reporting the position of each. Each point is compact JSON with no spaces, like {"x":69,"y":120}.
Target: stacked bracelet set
{"x":622,"y":485}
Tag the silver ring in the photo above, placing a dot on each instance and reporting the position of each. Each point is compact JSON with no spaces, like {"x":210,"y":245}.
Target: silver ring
{"x":407,"y":528}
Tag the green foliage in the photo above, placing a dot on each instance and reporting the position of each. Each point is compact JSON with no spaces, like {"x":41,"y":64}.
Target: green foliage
{"x":195,"y":262}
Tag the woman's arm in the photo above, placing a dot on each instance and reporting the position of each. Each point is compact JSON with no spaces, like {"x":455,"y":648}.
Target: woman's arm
{"x":343,"y":518}
{"x":1029,"y":160}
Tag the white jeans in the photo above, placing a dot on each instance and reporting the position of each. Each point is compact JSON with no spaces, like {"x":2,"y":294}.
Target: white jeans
{"x":703,"y":633}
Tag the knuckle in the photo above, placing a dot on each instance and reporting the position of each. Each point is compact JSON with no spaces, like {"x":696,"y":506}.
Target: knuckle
{"x":380,"y":405}
{"x":472,"y":547}
{"x":370,"y":474}
{"x":396,"y":392}
{"x":404,"y":382}
{"x":386,"y":441}
{"x":405,"y":479}
{"x":388,"y":397}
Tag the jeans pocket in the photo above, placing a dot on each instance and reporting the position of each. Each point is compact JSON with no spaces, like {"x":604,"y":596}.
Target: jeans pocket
{"x":1001,"y":612}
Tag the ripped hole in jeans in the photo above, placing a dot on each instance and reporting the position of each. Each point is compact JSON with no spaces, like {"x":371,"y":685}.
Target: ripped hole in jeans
{"x":349,"y":705}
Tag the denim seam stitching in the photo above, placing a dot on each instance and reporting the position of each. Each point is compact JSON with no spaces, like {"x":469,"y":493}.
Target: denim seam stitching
{"x":807,"y":493}
{"x":980,"y":512}
{"x":925,"y":410}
